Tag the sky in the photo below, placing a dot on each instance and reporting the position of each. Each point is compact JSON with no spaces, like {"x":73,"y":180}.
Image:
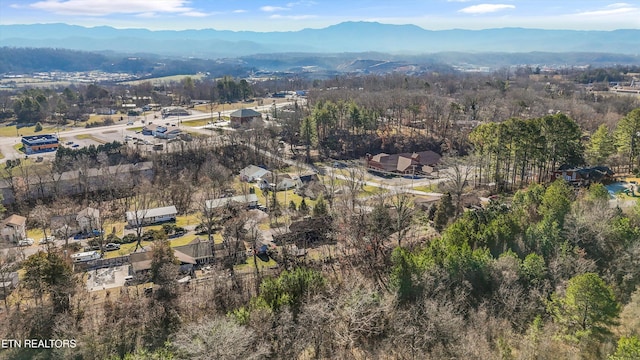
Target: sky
{"x":276,"y":15}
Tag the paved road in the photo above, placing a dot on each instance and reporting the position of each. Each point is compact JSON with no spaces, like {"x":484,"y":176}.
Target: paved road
{"x":120,"y":129}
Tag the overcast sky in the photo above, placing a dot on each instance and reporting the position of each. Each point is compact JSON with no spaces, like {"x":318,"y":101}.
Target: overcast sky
{"x":295,"y":15}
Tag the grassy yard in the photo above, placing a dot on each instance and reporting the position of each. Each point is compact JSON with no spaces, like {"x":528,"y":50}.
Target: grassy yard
{"x":136,"y":128}
{"x":284,"y":198}
{"x":369,"y":190}
{"x":427,"y":188}
{"x":188,"y":220}
{"x":201,"y":122}
{"x":90,"y":137}
{"x":10,"y":131}
{"x":31,"y":166}
{"x":126,"y":249}
{"x":249,"y":265}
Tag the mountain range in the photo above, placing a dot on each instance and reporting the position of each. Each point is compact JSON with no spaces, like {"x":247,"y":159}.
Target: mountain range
{"x":343,"y":37}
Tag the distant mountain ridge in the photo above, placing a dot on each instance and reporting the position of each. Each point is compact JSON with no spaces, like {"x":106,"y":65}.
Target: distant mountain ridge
{"x":343,"y":37}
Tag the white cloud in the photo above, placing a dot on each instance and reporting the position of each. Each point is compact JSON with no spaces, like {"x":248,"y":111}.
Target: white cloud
{"x":239,"y":11}
{"x":486,"y":8}
{"x":195,"y":14}
{"x":107,"y":7}
{"x":612,"y":9}
{"x":273,"y":8}
{"x":458,"y":0}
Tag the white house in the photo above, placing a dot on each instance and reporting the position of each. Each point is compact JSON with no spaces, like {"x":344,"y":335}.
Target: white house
{"x":251,"y":173}
{"x":151,"y":216}
{"x":279,"y":183}
{"x":250,"y":200}
{"x":13,"y":228}
{"x":88,"y":219}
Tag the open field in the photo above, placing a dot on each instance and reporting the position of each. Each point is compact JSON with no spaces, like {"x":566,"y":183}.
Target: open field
{"x":11,"y":131}
{"x":201,"y":122}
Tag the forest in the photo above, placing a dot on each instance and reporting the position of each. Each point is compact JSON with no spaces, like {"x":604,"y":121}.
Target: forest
{"x":544,"y":270}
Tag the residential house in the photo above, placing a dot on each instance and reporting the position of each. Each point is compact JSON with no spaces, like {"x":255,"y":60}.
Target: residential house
{"x":279,"y":182}
{"x":151,"y":216}
{"x":584,"y":176}
{"x":305,"y":233}
{"x":252,"y":173}
{"x":243,"y":117}
{"x":84,"y":221}
{"x":422,"y":162}
{"x":14,"y":228}
{"x":8,"y":282}
{"x":141,"y":260}
{"x":310,"y":186}
{"x":249,"y":200}
{"x":88,"y":219}
{"x":198,"y":249}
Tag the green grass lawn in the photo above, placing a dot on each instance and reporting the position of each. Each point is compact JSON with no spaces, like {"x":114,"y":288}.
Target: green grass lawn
{"x":126,"y":249}
{"x":201,"y":122}
{"x":369,"y":190}
{"x":136,"y":128}
{"x":90,"y":137}
{"x":10,"y":131}
{"x":284,"y":197}
{"x":427,"y":188}
{"x":188,"y":220}
{"x":249,"y":266}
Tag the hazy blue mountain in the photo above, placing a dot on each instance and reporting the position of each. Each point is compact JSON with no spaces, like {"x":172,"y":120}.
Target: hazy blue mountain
{"x":343,"y":37}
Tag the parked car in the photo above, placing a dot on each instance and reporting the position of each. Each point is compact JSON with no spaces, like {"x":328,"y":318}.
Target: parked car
{"x":86,"y":235}
{"x":46,"y":240}
{"x":111,"y":247}
{"x":25,"y":242}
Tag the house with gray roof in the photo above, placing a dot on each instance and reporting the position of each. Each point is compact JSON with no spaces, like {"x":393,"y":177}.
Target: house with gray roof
{"x":252,"y":173}
{"x":243,"y":116}
{"x":249,"y":200}
{"x":151,"y":216}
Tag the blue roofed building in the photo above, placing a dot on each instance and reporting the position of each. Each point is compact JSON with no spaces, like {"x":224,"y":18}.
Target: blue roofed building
{"x":40,"y":143}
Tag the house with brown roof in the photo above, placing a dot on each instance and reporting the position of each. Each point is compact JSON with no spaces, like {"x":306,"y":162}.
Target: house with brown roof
{"x":141,"y":260}
{"x":13,"y":228}
{"x":422,"y":162}
{"x":198,"y":249}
